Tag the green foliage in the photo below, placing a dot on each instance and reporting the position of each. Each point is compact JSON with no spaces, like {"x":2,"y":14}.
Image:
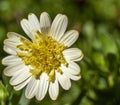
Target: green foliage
{"x":99,"y":24}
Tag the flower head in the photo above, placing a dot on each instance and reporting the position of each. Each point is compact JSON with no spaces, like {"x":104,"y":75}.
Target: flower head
{"x":45,"y":60}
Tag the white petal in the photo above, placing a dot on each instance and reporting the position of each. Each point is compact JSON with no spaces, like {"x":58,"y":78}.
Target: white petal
{"x":23,"y":84}
{"x":13,"y":47}
{"x":14,"y":36}
{"x":52,"y":31}
{"x":74,"y":68}
{"x":79,"y":59}
{"x":73,"y":54}
{"x":64,"y":81}
{"x":67,"y":73}
{"x":42,"y":87}
{"x":34,"y":22}
{"x":30,"y":26}
{"x":45,"y":22}
{"x":27,"y":28}
{"x":31,"y":88}
{"x":74,"y":77}
{"x":12,"y":43}
{"x":59,"y":26}
{"x":9,"y":60}
{"x":9,"y":50}
{"x":69,"y":38}
{"x":18,"y":78}
{"x":54,"y":90}
{"x":13,"y":39}
{"x":14,"y":69}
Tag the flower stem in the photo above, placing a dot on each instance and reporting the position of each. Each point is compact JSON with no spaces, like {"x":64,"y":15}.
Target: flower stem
{"x":23,"y":100}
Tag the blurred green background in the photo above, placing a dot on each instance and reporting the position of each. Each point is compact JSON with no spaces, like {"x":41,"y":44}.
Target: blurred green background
{"x":98,"y":22}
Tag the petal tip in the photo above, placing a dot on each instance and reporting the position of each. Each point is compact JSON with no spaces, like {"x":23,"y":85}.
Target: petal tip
{"x":31,"y":14}
{"x":23,"y":21}
{"x":44,"y":13}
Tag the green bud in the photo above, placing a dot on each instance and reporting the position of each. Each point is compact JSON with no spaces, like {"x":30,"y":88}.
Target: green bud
{"x":99,"y":61}
{"x":3,"y":92}
{"x":108,"y":44}
{"x":111,"y":80}
{"x":88,"y":30}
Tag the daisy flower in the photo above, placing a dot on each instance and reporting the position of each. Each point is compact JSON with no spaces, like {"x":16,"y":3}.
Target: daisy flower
{"x":43,"y":61}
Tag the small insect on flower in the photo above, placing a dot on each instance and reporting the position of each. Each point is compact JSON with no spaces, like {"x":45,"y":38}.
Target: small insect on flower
{"x":45,"y":60}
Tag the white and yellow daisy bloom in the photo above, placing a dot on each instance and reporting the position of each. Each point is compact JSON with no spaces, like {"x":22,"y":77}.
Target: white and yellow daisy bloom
{"x":44,"y":61}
